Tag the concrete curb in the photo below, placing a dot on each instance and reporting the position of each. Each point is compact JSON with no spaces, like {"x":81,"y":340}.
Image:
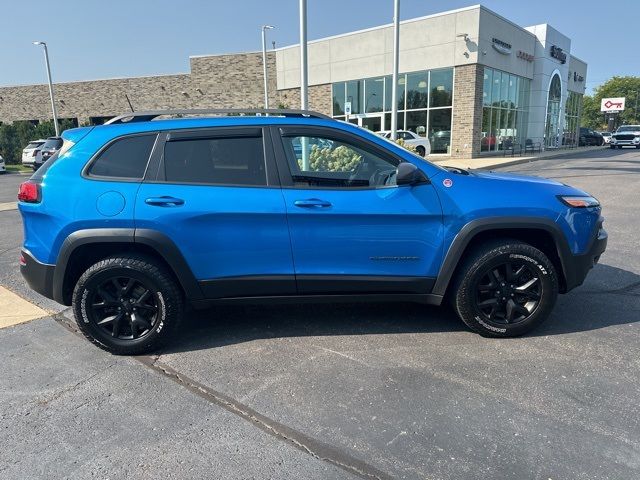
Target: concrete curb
{"x":496,"y":162}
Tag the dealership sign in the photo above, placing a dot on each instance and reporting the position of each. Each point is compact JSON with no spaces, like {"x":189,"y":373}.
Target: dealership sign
{"x":577,"y":77}
{"x":525,"y":56}
{"x":558,"y":54}
{"x":501,"y":47}
{"x":615,"y":104}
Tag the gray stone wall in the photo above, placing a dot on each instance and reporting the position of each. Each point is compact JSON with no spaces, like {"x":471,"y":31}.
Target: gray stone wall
{"x":319,"y":98}
{"x":221,"y":81}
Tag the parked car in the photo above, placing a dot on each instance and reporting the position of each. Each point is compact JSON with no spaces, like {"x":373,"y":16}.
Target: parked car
{"x":130,"y":220}
{"x":422,"y":145}
{"x":3,"y":168}
{"x":46,"y":151}
{"x":440,"y":141}
{"x":589,"y":137}
{"x":30,"y":151}
{"x":626,"y":136}
{"x":606,"y":136}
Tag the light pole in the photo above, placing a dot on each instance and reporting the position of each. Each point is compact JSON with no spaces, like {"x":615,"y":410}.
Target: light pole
{"x":394,"y":79}
{"x":304,"y":80}
{"x":53,"y":102}
{"x":264,"y":63}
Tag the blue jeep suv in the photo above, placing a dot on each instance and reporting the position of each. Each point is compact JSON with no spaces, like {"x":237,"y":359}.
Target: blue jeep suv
{"x":132,"y":221}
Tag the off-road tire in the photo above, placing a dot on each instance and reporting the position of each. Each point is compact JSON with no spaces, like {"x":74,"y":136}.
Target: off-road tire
{"x":150,"y":275}
{"x":475,"y":267}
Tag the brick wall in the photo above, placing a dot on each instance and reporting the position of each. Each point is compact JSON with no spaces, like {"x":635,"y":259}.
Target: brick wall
{"x":467,"y":111}
{"x":319,"y":98}
{"x":222,"y":81}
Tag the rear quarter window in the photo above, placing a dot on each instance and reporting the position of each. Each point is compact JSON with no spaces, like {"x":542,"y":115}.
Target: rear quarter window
{"x":126,"y":157}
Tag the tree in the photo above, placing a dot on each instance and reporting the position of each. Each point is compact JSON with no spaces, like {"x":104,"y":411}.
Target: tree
{"x":628,"y":87}
{"x":14,"y":137}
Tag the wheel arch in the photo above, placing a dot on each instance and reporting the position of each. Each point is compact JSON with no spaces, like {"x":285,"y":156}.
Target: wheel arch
{"x":541,"y":233}
{"x":83,"y":248}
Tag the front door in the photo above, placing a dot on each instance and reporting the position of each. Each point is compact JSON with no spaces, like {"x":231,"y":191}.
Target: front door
{"x":352,"y":229}
{"x":216,"y":196}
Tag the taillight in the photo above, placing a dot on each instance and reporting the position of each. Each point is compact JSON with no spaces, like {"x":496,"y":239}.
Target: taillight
{"x":29,"y":192}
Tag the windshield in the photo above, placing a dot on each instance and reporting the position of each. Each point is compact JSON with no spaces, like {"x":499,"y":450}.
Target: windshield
{"x":629,"y":128}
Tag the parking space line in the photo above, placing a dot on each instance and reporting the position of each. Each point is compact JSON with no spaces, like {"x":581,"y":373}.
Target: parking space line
{"x":8,"y":206}
{"x":15,"y":309}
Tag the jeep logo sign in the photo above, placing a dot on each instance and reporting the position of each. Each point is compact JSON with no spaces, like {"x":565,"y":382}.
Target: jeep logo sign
{"x":558,"y":54}
{"x":577,"y":78}
{"x":501,"y":47}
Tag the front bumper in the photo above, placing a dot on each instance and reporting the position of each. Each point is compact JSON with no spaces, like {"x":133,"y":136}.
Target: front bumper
{"x":39,"y":276}
{"x":576,"y":267}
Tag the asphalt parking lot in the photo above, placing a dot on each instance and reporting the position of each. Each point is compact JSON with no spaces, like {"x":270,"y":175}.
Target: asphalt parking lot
{"x":343,"y":391}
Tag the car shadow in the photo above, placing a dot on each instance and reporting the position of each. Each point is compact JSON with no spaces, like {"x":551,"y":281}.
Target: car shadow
{"x":587,"y":308}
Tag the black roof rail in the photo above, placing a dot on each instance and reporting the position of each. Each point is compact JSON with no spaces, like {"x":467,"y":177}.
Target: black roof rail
{"x":146,"y":116}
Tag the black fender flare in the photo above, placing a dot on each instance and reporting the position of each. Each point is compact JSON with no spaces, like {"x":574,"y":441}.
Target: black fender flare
{"x":470,"y":230}
{"x":158,"y":241}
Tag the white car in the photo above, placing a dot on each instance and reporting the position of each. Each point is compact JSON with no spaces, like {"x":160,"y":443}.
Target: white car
{"x":626,"y":136}
{"x":423,"y":147}
{"x":31,"y":151}
{"x":606,"y":136}
{"x":2,"y":167}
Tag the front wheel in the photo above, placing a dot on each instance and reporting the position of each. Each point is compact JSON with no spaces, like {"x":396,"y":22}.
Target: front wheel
{"x":127,"y":305}
{"x":505,"y":289}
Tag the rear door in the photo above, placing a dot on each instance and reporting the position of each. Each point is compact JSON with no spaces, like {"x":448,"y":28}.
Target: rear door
{"x":215,"y":194}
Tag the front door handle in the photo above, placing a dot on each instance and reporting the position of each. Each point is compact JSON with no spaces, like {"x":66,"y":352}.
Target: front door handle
{"x":312,"y":203}
{"x":164,"y":201}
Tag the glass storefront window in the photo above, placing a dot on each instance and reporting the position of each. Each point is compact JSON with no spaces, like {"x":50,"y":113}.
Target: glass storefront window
{"x":505,"y":110}
{"x":417,"y":122}
{"x":374,"y":91}
{"x":338,"y":98}
{"x":441,"y":88}
{"x":440,"y":130}
{"x":486,"y":89}
{"x":495,"y":88}
{"x":417,"y":90}
{"x":387,"y":92}
{"x":425,"y":101}
{"x":354,"y":95}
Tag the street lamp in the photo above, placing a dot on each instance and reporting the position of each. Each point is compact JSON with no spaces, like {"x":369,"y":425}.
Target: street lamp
{"x":264,"y":63}
{"x":53,"y":103}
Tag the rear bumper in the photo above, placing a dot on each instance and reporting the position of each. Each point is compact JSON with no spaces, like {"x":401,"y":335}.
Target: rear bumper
{"x":39,"y":276}
{"x":576,"y":267}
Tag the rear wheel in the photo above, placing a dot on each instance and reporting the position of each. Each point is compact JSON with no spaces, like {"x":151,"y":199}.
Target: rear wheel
{"x":127,"y":305}
{"x":505,"y":289}
{"x":421,"y":151}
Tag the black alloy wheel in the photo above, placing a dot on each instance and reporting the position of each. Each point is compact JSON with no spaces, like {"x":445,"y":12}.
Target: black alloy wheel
{"x":508,"y":293}
{"x":124,"y":307}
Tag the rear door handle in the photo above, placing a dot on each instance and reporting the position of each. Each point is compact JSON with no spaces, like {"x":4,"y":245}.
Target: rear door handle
{"x":312,"y":203}
{"x":164,"y":201}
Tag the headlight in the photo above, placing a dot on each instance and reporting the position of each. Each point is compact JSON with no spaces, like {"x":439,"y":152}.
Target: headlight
{"x":578,"y":202}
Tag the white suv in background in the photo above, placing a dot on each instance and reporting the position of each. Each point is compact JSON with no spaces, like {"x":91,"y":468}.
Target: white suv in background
{"x":421,"y":144}
{"x":31,"y":151}
{"x":626,"y":136}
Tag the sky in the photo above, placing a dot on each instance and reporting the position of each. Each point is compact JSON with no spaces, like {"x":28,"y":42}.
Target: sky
{"x":94,"y":39}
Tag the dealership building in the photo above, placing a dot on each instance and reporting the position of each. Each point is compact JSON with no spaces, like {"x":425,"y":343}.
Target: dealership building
{"x":472,"y":81}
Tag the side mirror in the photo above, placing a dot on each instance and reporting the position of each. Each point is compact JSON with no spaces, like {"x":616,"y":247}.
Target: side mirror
{"x":408,"y":174}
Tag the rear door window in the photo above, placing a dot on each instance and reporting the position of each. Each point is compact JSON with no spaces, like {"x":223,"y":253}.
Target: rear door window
{"x":126,"y":158}
{"x":216,"y":161}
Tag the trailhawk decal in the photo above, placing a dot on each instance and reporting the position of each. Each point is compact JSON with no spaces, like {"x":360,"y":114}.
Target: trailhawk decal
{"x":490,"y":327}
